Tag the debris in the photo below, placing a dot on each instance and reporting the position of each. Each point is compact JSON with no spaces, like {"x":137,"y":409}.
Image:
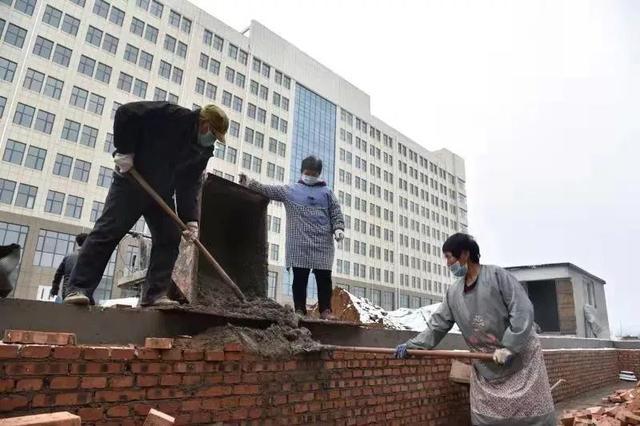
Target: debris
{"x":460,"y":372}
{"x":62,"y":418}
{"x":39,"y":337}
{"x":619,"y":409}
{"x":628,"y":376}
{"x":158,"y":343}
{"x":158,"y":418}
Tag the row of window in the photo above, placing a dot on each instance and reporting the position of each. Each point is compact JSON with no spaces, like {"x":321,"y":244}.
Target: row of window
{"x":25,"y":196}
{"x":55,"y":17}
{"x":127,"y":83}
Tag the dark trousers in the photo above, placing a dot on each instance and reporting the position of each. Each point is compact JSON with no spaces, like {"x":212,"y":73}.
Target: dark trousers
{"x":300,"y":281}
{"x":124,"y":205}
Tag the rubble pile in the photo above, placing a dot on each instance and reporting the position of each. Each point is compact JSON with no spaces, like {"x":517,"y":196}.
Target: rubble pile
{"x":621,"y":408}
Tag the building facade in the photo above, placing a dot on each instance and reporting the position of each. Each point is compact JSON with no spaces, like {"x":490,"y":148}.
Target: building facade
{"x":66,"y":66}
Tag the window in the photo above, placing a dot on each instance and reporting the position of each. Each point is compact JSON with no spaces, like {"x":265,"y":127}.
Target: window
{"x":214,"y":66}
{"x":146,"y":60}
{"x":7,"y":69}
{"x":242,"y":57}
{"x":176,"y":77}
{"x":233,"y":51}
{"x":116,"y":16}
{"x":110,"y":44}
{"x":52,"y":247}
{"x":43,"y":47}
{"x":26,"y":6}
{"x":86,"y":65}
{"x":125,"y":81}
{"x":89,"y":136}
{"x":24,"y":115}
{"x":251,"y":110}
{"x":101,"y":8}
{"x":74,"y":207}
{"x":52,"y":16}
{"x":14,"y":152}
{"x":280,"y":174}
{"x":200,"y":86}
{"x":266,"y":70}
{"x":240,"y":79}
{"x":182,"y":50}
{"x":165,"y":70}
{"x":282,"y":149}
{"x":230,"y":74}
{"x":78,"y":97}
{"x":62,"y":55}
{"x":257,"y":64}
{"x":70,"y":25}
{"x":271,"y":170}
{"x":174,"y":18}
{"x":94,"y":36}
{"x":274,"y":253}
{"x":156,"y":8}
{"x":114,"y":108}
{"x":54,"y":202}
{"x":246,"y":161}
{"x":259,"y":140}
{"x":81,"y":170}
{"x":211,"y":91}
{"x":169,"y":43}
{"x":204,"y":61}
{"x":140,"y":88}
{"x":207,"y":37}
{"x":26,"y":196}
{"x":78,"y":2}
{"x":33,"y":80}
{"x":273,"y":145}
{"x":108,"y":143}
{"x":218,"y":43}
{"x":262,"y":115}
{"x":12,"y":233}
{"x":62,"y":165}
{"x":96,"y":104}
{"x":96,"y":211}
{"x":272,"y":280}
{"x":53,"y":88}
{"x":15,"y":35}
{"x":137,"y":26}
{"x":264,"y":92}
{"x":105,"y":176}
{"x":226,"y":98}
{"x":7,"y":189}
{"x":186,"y":25}
{"x":274,"y":121}
{"x":232,"y":154}
{"x":234,"y":129}
{"x":103,"y":73}
{"x":44,"y":122}
{"x":3,"y":103}
{"x":131,"y":54}
{"x":248,"y":135}
{"x":151,"y":34}
{"x":159,"y":94}
{"x":237,"y":104}
{"x":257,"y":165}
{"x":35,"y":158}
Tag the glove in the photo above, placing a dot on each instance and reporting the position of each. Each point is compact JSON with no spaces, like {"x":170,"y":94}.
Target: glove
{"x":502,"y":356}
{"x":124,"y":162}
{"x":401,"y":351}
{"x":191,"y":233}
{"x":243,"y":179}
{"x":338,"y":235}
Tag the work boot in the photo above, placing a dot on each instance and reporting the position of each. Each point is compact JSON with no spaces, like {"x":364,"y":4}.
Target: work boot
{"x":327,"y":315}
{"x":161,"y":301}
{"x":301,"y":314}
{"x":76,"y":299}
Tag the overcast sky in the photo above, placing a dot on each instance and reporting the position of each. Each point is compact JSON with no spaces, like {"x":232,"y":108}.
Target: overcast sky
{"x":541,"y":99}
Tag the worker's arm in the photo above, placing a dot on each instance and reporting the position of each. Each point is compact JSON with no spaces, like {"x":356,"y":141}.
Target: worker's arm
{"x":188,"y":190}
{"x":438,"y":326}
{"x":337,"y":219}
{"x":272,"y":192}
{"x":127,"y":127}
{"x":520,"y":309}
{"x":57,"y":278}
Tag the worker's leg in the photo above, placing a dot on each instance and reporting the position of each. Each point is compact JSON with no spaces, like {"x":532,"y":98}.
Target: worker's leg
{"x":323,"y":279}
{"x":122,"y":208}
{"x":300,"y":280}
{"x":165,"y":236}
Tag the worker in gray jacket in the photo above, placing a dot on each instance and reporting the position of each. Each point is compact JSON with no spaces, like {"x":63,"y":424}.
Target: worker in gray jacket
{"x":495,"y":315}
{"x":64,"y":269}
{"x":314,"y":219}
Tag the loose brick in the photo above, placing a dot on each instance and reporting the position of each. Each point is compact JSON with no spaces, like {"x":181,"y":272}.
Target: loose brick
{"x":118,"y":411}
{"x":122,"y":354}
{"x":9,"y":351}
{"x":66,"y":352}
{"x":91,"y":414}
{"x":158,"y":343}
{"x":13,"y":402}
{"x":64,"y":382}
{"x":157,"y":418}
{"x":39,"y":337}
{"x":95,"y":353}
{"x":93,"y":383}
{"x":50,"y":419}
{"x":35,"y":351}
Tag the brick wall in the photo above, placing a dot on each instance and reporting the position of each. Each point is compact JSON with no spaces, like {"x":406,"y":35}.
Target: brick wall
{"x":109,"y":385}
{"x":119,"y":385}
{"x":629,"y":360}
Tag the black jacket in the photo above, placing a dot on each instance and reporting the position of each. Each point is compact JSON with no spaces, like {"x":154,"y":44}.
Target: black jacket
{"x":64,"y":271}
{"x":163,"y":137}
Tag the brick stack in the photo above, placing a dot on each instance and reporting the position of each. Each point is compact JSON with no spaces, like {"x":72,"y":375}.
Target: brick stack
{"x":620,"y":409}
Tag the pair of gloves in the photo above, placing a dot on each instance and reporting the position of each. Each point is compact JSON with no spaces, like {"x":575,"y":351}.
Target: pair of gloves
{"x":500,"y":356}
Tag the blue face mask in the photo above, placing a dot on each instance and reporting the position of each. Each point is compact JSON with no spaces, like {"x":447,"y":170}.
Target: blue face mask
{"x":458,"y":270}
{"x":206,"y":140}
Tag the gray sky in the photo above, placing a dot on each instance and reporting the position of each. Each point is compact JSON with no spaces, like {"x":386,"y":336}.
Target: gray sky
{"x":541,"y":98}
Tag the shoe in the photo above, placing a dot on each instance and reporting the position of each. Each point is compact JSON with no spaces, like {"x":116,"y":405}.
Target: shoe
{"x":301,"y":314}
{"x":327,"y":315}
{"x":161,"y":301}
{"x":76,"y":299}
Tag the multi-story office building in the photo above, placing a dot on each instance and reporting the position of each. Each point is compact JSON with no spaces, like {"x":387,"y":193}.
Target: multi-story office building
{"x":66,"y":66}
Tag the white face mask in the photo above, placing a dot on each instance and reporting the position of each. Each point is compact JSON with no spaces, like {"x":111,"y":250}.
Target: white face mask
{"x":309,"y":180}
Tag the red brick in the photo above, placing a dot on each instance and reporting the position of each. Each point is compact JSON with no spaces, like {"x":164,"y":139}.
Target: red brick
{"x":191,"y":380}
{"x":301,"y":408}
{"x":214,"y":391}
{"x":27,"y":385}
{"x":13,"y":402}
{"x":64,"y":382}
{"x":96,"y":352}
{"x":240,"y":414}
{"x":122,"y":354}
{"x":191,"y":405}
{"x":201,"y":417}
{"x":290,"y":365}
{"x":144,"y":353}
{"x":246,"y":389}
{"x":157,"y":418}
{"x":141,"y":409}
{"x":66,"y":352}
{"x":39,"y":337}
{"x":213,"y":404}
{"x":96,"y":368}
{"x":193,"y":355}
{"x":165,"y":393}
{"x":172,"y":354}
{"x":72,"y":398}
{"x":169,"y":407}
{"x":9,"y":351}
{"x":158,"y":343}
{"x":49,"y":419}
{"x":232,"y":356}
{"x":7,"y":385}
{"x":147,"y":381}
{"x":91,"y":414}
{"x":170,"y":380}
{"x":150,"y":367}
{"x":120,"y":395}
{"x":247,"y":401}
{"x":35,"y":351}
{"x":93,"y":383}
{"x":121,"y":382}
{"x":118,"y":411}
{"x":233,"y":347}
{"x":214,"y":356}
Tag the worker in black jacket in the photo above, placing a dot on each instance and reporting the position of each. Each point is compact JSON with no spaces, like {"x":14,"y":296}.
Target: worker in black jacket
{"x":170,"y":147}
{"x":63,"y":273}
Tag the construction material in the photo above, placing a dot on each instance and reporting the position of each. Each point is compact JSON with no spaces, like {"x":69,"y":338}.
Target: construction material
{"x":158,"y":343}
{"x":158,"y":418}
{"x":620,"y":409}
{"x":558,"y":383}
{"x":62,"y":418}
{"x":212,"y":261}
{"x":417,"y":352}
{"x":628,"y":376}
{"x":460,"y":372}
{"x":39,"y":337}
